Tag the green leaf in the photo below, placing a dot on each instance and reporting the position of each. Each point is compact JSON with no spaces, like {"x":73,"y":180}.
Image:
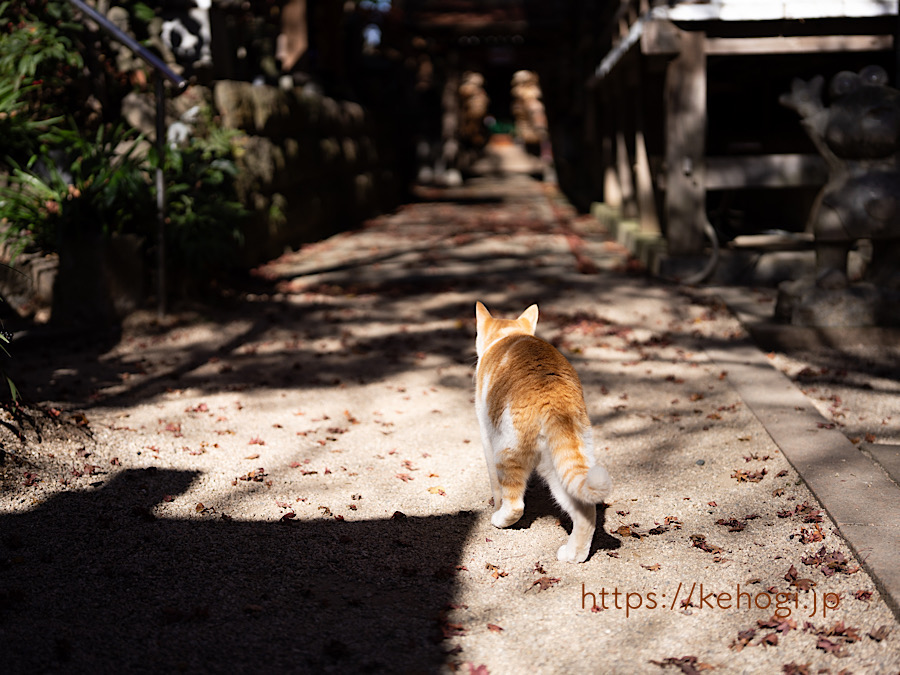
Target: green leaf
{"x":13,"y":390}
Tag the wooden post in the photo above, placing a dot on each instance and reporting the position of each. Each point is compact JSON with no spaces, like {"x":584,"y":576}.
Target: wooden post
{"x":593,"y":125}
{"x":685,"y":202}
{"x":623,"y":156}
{"x":612,"y":189}
{"x":649,"y":220}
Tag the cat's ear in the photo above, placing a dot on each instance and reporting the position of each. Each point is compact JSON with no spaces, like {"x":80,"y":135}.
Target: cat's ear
{"x":530,"y":318}
{"x":481,"y":312}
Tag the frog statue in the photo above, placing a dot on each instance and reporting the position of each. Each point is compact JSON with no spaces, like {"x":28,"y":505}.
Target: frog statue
{"x":858,"y":135}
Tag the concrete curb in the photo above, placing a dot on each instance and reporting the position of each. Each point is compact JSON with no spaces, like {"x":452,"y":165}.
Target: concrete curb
{"x":855,"y":490}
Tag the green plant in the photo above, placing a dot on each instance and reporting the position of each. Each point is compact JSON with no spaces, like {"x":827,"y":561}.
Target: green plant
{"x":22,"y":133}
{"x":38,"y":39}
{"x":203,"y":214}
{"x":5,"y":337}
{"x":39,"y":55}
{"x":84,"y":184}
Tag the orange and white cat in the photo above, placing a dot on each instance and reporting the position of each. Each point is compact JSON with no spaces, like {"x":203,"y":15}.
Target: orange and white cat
{"x":531,"y":409}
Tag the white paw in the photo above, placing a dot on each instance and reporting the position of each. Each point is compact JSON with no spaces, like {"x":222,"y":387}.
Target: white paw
{"x":565,"y":555}
{"x":503,"y":518}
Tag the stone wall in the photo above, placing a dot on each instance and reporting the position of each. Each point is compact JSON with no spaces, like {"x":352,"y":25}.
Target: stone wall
{"x":310,"y":165}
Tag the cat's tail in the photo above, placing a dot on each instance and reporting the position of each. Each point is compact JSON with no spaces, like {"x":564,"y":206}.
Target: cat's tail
{"x":590,"y":484}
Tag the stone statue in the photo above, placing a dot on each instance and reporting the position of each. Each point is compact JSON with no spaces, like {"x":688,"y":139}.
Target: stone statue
{"x":473,"y":104}
{"x":858,"y":135}
{"x":528,"y":110}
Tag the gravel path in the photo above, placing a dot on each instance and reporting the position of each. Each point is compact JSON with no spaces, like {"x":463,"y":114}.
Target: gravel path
{"x":294,"y":482}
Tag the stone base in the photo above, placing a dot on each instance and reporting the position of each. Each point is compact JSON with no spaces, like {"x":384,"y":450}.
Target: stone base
{"x":803,"y":303}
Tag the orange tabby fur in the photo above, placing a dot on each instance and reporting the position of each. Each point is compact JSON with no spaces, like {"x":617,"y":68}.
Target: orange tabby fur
{"x":530,"y":406}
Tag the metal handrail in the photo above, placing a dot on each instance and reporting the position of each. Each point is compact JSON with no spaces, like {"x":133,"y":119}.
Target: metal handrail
{"x":180,"y":84}
{"x":121,"y":36}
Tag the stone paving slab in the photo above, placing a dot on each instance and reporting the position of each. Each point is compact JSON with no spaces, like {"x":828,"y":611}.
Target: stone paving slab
{"x":886,"y":455}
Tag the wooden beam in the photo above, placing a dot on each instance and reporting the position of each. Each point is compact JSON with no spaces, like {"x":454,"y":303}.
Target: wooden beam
{"x":774,"y":10}
{"x":660,"y":38}
{"x":765,"y":171}
{"x":685,"y":100}
{"x":799,"y":44}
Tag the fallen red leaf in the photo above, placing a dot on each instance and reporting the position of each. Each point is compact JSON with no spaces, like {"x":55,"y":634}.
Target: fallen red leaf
{"x":828,"y":646}
{"x":770,"y":639}
{"x":543,"y":583}
{"x":743,"y":639}
{"x":452,"y":629}
{"x":688,"y":664}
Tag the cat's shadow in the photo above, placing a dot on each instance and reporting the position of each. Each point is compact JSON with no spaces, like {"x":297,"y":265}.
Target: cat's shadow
{"x":539,"y":502}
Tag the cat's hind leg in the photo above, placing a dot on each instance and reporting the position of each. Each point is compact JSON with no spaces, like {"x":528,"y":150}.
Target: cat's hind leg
{"x":513,"y":469}
{"x":584,"y":522}
{"x":496,"y":492}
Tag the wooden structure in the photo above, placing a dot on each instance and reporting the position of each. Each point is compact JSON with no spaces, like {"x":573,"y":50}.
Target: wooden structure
{"x":686,"y":103}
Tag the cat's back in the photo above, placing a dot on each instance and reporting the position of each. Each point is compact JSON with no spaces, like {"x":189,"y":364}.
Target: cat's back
{"x":527,"y":367}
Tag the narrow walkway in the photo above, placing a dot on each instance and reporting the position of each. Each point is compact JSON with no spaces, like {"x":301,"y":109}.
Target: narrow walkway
{"x":297,"y":483}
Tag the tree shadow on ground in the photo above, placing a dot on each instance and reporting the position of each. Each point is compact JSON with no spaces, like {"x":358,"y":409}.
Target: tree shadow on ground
{"x":82,"y":374}
{"x":214,"y":595}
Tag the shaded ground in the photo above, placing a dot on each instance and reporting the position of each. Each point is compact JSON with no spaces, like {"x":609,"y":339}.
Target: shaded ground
{"x":296,"y":482}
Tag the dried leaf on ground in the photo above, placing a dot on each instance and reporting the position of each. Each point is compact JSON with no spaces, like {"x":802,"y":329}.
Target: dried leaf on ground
{"x":688,"y":664}
{"x":699,"y":541}
{"x":733,"y":524}
{"x":879,"y":634}
{"x":830,"y":647}
{"x":543,"y":583}
{"x":778,"y":624}
{"x":496,"y":571}
{"x":749,"y":476}
{"x":796,"y":669}
{"x":812,"y":534}
{"x":255,"y":476}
